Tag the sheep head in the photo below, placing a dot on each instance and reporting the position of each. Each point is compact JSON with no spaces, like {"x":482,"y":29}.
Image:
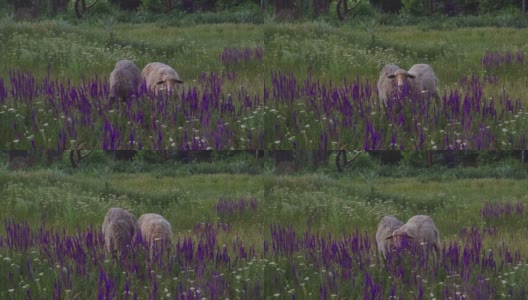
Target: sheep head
{"x":402,"y":78}
{"x":168,"y":82}
{"x":400,"y":239}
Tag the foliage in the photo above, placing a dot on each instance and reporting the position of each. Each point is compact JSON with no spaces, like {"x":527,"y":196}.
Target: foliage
{"x":156,"y":6}
{"x":414,"y":7}
{"x":126,"y":4}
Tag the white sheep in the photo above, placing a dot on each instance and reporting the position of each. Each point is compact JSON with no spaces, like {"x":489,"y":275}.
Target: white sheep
{"x":118,"y":229}
{"x":386,"y":227}
{"x":420,"y":78}
{"x":155,"y":230}
{"x":124,"y":80}
{"x":159,"y":77}
{"x":420,"y":230}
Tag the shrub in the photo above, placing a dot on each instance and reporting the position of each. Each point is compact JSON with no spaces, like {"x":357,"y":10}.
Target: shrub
{"x":126,"y":4}
{"x":153,"y":5}
{"x":414,"y":7}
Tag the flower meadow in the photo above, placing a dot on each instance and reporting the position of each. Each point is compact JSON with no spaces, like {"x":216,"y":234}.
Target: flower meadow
{"x":212,"y":261}
{"x":309,"y":114}
{"x":218,"y":111}
{"x":49,"y":114}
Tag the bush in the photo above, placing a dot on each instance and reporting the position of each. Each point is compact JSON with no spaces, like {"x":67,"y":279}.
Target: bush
{"x":414,"y":7}
{"x":126,"y":4}
{"x":414,"y":159}
{"x":153,"y":5}
{"x":102,"y":8}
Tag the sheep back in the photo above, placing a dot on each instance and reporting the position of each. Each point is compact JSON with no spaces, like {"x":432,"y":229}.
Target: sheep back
{"x":118,"y":228}
{"x":156,"y":72}
{"x":124,"y":79}
{"x":425,"y":80}
{"x":154,"y":228}
{"x":422,"y":229}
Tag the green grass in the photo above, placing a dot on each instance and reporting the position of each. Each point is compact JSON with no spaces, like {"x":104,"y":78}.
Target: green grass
{"x":355,"y":203}
{"x":80,"y":51}
{"x":72,"y":200}
{"x":335,"y":53}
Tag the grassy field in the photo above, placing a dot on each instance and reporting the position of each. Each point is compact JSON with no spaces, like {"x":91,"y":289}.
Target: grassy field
{"x":306,"y":85}
{"x":260,"y":236}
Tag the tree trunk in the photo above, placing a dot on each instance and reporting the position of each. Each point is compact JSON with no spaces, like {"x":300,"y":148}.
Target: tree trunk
{"x":320,"y":158}
{"x":431,"y":4}
{"x":315,"y":6}
{"x":429,"y":158}
{"x":170,"y":5}
{"x":523,"y":13}
{"x":326,"y":5}
{"x":276,"y":6}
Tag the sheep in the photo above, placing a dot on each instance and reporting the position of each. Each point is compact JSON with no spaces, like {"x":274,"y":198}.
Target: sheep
{"x":387,"y":86}
{"x":124,"y":80}
{"x":420,"y":78}
{"x":159,"y":76}
{"x":118,"y":229}
{"x":425,"y":80}
{"x":155,"y":230}
{"x":386,"y":227}
{"x":418,"y":229}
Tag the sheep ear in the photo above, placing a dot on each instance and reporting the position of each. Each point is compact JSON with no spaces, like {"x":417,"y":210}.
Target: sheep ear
{"x":179,"y":81}
{"x":389,"y":237}
{"x":160,"y":82}
{"x":411,"y":76}
{"x":391,"y":76}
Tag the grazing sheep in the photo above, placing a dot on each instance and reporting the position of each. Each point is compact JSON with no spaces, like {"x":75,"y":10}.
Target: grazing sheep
{"x":124,"y":80}
{"x":386,"y":86}
{"x":118,"y":229}
{"x":419,"y":229}
{"x":160,"y":77}
{"x":155,"y":229}
{"x":425,"y":80}
{"x":420,"y":79}
{"x":386,"y":227}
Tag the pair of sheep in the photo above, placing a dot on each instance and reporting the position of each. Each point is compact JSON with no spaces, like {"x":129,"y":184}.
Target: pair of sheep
{"x":418,"y":229}
{"x":119,"y":227}
{"x":420,"y":79}
{"x":125,"y":78}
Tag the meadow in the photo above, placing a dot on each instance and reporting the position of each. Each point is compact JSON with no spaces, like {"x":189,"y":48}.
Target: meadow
{"x":54,"y":86}
{"x":306,"y":85}
{"x":308,"y":235}
{"x":324,"y":95}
